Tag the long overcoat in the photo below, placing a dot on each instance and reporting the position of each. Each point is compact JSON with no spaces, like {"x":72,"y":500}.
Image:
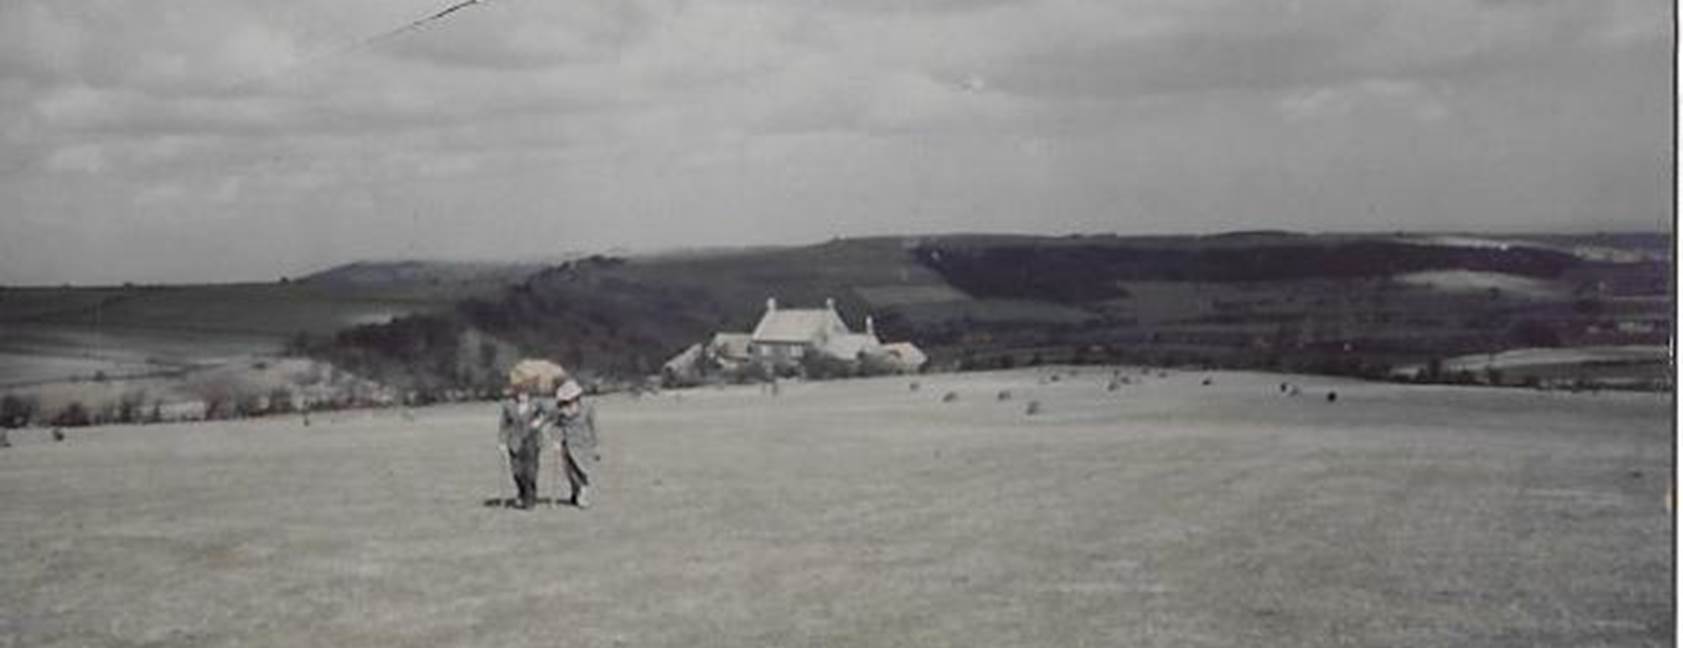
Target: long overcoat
{"x":518,"y":430}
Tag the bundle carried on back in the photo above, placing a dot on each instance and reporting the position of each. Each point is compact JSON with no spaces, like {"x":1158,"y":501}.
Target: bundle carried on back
{"x":538,"y":376}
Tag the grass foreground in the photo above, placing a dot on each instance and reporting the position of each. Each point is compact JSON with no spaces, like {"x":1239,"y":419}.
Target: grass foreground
{"x":1165,"y":512}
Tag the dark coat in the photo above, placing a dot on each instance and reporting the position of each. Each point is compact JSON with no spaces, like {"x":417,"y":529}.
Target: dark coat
{"x":516,"y":429}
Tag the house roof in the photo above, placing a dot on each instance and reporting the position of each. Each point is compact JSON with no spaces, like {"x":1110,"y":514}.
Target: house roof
{"x":851,"y":345}
{"x":685,"y":360}
{"x":794,"y":325}
{"x":731,"y":345}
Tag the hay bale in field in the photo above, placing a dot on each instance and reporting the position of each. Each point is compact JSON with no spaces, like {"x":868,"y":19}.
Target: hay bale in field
{"x":914,"y":386}
{"x":1207,"y":382}
{"x":1332,"y":396}
{"x":1003,"y":395}
{"x":949,"y":397}
{"x":1033,"y":408}
{"x":1113,"y":385}
{"x":58,"y":434}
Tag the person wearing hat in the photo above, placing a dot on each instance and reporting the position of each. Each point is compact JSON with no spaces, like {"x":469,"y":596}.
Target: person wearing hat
{"x":575,"y":439}
{"x":521,"y":438}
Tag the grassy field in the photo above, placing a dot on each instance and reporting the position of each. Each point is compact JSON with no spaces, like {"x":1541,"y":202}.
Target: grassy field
{"x":32,"y":353}
{"x":1167,"y":512}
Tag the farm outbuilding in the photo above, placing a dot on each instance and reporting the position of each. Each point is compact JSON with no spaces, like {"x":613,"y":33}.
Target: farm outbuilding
{"x":730,"y":350}
{"x":685,"y":366}
{"x":905,"y":356}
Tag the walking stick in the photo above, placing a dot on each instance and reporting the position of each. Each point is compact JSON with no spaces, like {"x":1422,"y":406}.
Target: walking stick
{"x":560,"y":473}
{"x":508,"y":472}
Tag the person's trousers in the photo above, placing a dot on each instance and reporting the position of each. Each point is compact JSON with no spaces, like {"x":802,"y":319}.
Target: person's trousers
{"x":524,"y":463}
{"x":577,"y":465}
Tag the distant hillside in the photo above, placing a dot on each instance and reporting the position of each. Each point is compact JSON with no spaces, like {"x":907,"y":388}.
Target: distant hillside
{"x":1333,"y":303}
{"x":1435,"y":307}
{"x":412,"y":276}
{"x":621,"y":318}
{"x":51,"y":335}
{"x":1092,"y":270}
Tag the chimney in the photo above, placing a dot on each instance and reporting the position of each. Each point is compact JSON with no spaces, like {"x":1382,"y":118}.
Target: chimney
{"x":830,"y":303}
{"x":771,"y":304}
{"x":870,"y":326}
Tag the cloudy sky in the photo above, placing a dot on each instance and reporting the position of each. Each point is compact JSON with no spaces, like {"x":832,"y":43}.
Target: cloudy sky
{"x":197,"y":140}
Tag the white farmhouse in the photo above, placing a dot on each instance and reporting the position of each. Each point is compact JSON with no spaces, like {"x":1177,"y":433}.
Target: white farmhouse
{"x":784,"y":336}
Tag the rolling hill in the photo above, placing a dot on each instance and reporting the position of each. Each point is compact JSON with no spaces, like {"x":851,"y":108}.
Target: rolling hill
{"x":1367,"y":305}
{"x":63,"y":342}
{"x":1329,"y":303}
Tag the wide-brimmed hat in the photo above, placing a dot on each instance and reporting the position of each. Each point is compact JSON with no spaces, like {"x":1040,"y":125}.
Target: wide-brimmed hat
{"x":569,"y":390}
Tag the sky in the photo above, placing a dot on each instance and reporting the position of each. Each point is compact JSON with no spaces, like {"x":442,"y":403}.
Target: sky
{"x":221,"y":140}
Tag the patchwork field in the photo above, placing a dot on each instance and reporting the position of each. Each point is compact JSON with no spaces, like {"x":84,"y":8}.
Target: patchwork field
{"x":32,"y":354}
{"x":1165,"y":512}
{"x":95,"y":345}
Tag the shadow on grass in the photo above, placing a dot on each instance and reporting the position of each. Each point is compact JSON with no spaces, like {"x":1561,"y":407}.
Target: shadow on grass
{"x":508,"y":502}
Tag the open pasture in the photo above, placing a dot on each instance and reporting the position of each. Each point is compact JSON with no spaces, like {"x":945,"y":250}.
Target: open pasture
{"x":1164,"y":512}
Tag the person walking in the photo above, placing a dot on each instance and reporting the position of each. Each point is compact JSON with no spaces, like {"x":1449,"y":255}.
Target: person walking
{"x":575,"y":440}
{"x":520,"y":437}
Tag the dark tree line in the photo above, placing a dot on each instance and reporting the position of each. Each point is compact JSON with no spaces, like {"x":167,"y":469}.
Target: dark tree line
{"x":579,"y":314}
{"x":1073,"y":273}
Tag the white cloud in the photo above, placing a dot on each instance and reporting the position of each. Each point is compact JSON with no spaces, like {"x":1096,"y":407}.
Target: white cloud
{"x":228,"y":191}
{"x":81,"y":158}
{"x":159,"y":193}
{"x":1376,"y":97}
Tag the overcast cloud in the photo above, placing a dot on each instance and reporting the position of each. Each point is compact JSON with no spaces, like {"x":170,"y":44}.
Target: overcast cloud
{"x":198,"y":140}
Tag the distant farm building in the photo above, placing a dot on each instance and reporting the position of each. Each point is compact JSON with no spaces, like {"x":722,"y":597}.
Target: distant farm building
{"x":786,"y":338}
{"x":905,"y":355}
{"x":683,"y":367}
{"x":730,"y":350}
{"x":788,"y":334}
